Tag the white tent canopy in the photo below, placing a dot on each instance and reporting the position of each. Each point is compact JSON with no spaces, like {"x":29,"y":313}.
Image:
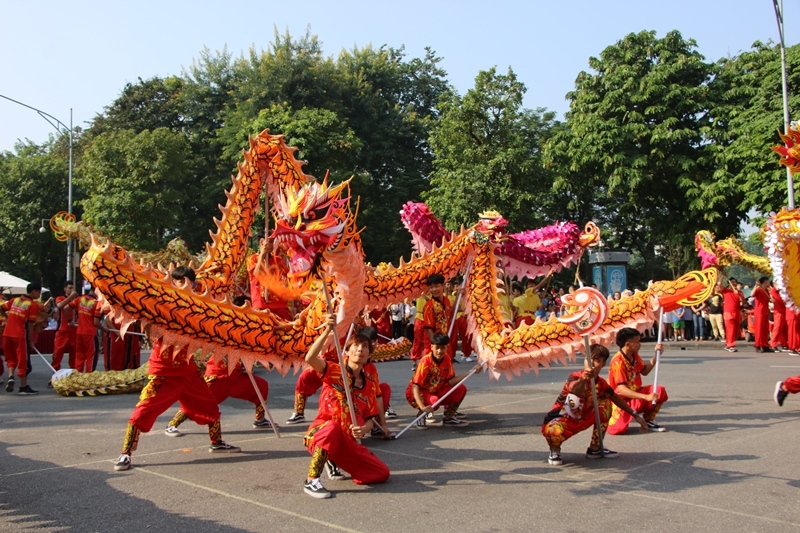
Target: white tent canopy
{"x":12,"y":284}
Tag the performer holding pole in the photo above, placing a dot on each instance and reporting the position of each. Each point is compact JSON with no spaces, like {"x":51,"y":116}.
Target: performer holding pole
{"x":658,"y":350}
{"x":331,"y":439}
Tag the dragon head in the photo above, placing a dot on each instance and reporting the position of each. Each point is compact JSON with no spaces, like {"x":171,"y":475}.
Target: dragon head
{"x":491,"y":224}
{"x":313,"y":219}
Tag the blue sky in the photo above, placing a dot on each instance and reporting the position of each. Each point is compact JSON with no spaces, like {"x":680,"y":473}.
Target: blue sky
{"x":61,"y":55}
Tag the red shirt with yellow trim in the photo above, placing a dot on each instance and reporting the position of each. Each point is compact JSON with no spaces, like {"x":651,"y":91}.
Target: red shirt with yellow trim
{"x":88,"y":309}
{"x":622,"y":371}
{"x":66,"y":317}
{"x":333,"y":400}
{"x":431,"y":375}
{"x":578,"y":406}
{"x":19,"y":311}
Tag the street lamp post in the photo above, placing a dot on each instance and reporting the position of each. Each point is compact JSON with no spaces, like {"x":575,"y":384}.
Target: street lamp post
{"x":778,"y":4}
{"x":53,"y":121}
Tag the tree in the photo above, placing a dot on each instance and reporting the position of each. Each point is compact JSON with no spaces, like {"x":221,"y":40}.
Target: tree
{"x":488,"y":155}
{"x":33,"y":187}
{"x":634,"y":147}
{"x":747,"y":113}
{"x":136,"y":185}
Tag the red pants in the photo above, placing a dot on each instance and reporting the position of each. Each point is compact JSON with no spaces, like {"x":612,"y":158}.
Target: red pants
{"x":238,"y":386}
{"x":558,"y":430}
{"x":620,"y":419}
{"x":460,"y":331}
{"x":761,"y":329}
{"x":64,"y":342}
{"x":121,"y":354}
{"x":792,"y":384}
{"x":779,"y":330}
{"x":84,"y":352}
{"x":16,"y":354}
{"x":431,"y":398}
{"x":194,"y":396}
{"x":309,"y":383}
{"x":731,"y":329}
{"x":363,"y":466}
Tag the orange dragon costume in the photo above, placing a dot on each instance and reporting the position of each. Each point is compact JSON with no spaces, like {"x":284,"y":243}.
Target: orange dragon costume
{"x":316,"y":230}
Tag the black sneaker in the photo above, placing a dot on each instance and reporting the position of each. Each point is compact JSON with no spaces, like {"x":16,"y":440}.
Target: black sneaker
{"x":731,"y":349}
{"x":595,"y":454}
{"x":223,"y":447}
{"x":390,"y":414}
{"x":780,"y":394}
{"x":333,"y":471}
{"x":461,"y":415}
{"x":421,"y":424}
{"x":652,"y":426}
{"x":315,"y":489}
{"x":452,"y":422}
{"x":296,"y":419}
{"x":27,"y":391}
{"x":555,"y":458}
{"x":262,"y":423}
{"x":10,"y":385}
{"x":376,"y":432}
{"x":123,"y":462}
{"x":767,"y":350}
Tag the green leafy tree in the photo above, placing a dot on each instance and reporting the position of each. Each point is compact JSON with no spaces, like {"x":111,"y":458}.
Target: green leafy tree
{"x":633,"y":150}
{"x":33,"y":187}
{"x":136,"y":185}
{"x":747,"y":114}
{"x":488,"y":155}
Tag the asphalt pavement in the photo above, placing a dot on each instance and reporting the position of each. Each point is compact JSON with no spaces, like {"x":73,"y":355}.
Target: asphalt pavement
{"x":730,"y":461}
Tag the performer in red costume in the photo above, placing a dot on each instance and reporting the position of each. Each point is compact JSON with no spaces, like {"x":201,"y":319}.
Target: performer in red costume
{"x":88,"y":311}
{"x":332,"y":436}
{"x":173,"y":378}
{"x":119,"y":353}
{"x":732,"y":300}
{"x":778,"y":340}
{"x":437,"y":314}
{"x":67,"y":325}
{"x":760,"y":294}
{"x":433,"y":378}
{"x":573,"y":411}
{"x":21,"y":314}
{"x":625,"y":377}
{"x":226,"y":385}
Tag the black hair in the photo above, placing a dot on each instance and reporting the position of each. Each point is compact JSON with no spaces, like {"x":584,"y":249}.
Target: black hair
{"x":359,"y":338}
{"x":435,"y":279}
{"x":762,"y":279}
{"x":440,"y":339}
{"x":184,"y":272}
{"x":68,"y":282}
{"x":598,"y":350}
{"x":626,"y":334}
{"x":369,"y":332}
{"x":33,"y":286}
{"x":517,"y":287}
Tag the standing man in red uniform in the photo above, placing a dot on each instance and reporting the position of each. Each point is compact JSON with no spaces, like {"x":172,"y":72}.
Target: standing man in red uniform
{"x":760,"y":294}
{"x":778,"y":340}
{"x":173,"y":378}
{"x":437,"y":314}
{"x":732,"y":300}
{"x":21,"y":313}
{"x":625,"y":377}
{"x":67,"y":325}
{"x":88,"y":311}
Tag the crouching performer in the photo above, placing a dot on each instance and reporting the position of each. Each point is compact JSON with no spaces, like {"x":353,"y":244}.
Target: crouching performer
{"x":573,"y":411}
{"x":332,"y":436}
